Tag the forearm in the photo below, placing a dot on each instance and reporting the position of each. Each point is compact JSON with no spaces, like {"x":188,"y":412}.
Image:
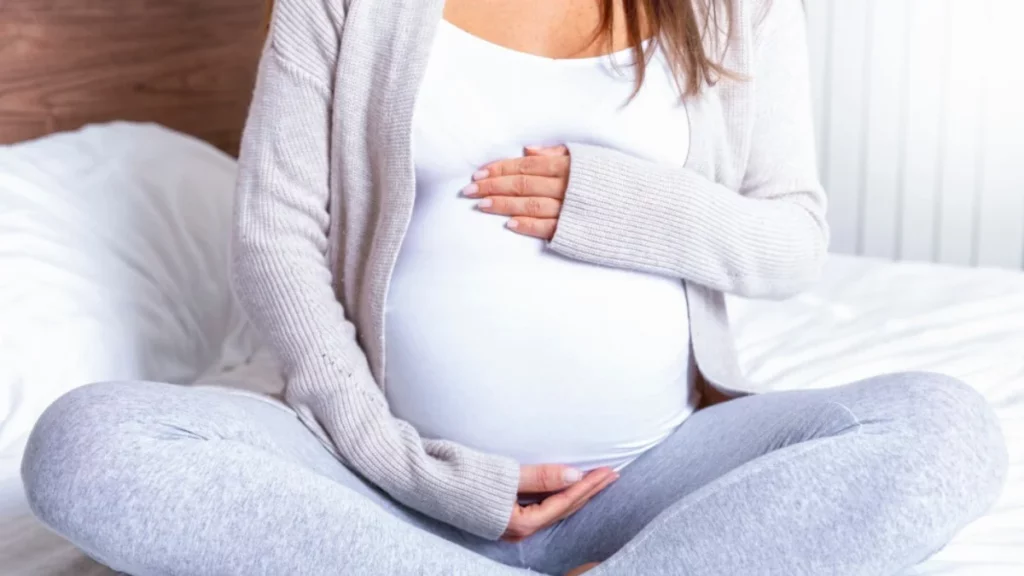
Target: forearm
{"x":626,"y":212}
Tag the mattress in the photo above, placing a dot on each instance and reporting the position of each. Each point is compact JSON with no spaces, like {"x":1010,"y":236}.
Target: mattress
{"x":866,"y":317}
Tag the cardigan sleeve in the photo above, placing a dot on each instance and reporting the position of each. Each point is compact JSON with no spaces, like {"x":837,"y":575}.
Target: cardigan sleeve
{"x":768,"y":239}
{"x":282,"y":277}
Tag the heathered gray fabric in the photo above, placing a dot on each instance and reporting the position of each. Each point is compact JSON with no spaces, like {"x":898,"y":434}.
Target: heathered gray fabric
{"x":865,"y":479}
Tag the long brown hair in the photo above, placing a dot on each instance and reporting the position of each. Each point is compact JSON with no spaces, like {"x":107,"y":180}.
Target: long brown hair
{"x":688,"y":32}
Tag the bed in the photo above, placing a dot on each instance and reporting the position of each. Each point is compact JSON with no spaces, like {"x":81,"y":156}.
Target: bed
{"x":113,"y":250}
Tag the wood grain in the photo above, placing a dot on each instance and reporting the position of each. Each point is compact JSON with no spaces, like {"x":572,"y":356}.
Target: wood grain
{"x":187,"y":64}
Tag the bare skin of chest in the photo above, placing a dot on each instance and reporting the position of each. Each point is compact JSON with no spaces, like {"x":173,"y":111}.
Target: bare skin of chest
{"x":549,"y":28}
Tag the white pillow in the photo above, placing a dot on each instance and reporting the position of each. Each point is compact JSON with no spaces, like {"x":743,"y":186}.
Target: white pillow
{"x":113,"y":266}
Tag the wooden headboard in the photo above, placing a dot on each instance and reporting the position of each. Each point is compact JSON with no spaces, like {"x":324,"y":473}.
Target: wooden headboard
{"x":187,"y":64}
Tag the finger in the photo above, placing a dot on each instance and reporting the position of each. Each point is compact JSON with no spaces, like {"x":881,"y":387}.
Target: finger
{"x":540,"y":478}
{"x":585,"y":499}
{"x":543,"y":228}
{"x":521,"y":185}
{"x":547,"y":151}
{"x":532,"y":206}
{"x":595,"y":481}
{"x":550,"y":166}
{"x":517,"y":527}
{"x":605,"y":481}
{"x":557,"y":504}
{"x":527,"y":520}
{"x":579,"y":570}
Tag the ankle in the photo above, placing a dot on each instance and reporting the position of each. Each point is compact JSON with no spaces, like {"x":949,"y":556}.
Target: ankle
{"x":581,"y":569}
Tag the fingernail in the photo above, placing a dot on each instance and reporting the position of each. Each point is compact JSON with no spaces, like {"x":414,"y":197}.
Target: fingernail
{"x":480,"y":174}
{"x":572,"y":476}
{"x":512,"y":225}
{"x":485,"y":203}
{"x":470,"y":190}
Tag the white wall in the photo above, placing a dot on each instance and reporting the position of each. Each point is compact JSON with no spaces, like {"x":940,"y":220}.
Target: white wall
{"x":919,"y":107}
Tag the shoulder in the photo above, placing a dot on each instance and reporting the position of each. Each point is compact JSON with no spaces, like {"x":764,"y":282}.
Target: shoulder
{"x":752,"y":22}
{"x":764,"y":36}
{"x":765,"y":30}
{"x":766,"y":18}
{"x":307,"y":32}
{"x":296,"y":16}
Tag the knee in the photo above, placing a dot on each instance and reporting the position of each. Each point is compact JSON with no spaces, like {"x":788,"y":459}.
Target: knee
{"x":944,"y":403}
{"x":66,"y":451}
{"x":954,"y":428}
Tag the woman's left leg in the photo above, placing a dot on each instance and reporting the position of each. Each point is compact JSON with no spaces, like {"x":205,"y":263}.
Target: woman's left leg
{"x":867,"y":478}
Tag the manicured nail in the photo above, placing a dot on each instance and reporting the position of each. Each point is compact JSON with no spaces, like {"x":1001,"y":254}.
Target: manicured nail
{"x":512,"y":224}
{"x":470,"y":190}
{"x":480,"y":175}
{"x":485,"y":203}
{"x":572,"y":476}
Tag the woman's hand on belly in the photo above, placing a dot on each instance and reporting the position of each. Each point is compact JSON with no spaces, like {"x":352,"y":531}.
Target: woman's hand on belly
{"x":529,"y":189}
{"x":567,"y":495}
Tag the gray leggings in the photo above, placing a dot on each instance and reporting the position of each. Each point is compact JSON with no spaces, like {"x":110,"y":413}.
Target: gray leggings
{"x":868,"y":478}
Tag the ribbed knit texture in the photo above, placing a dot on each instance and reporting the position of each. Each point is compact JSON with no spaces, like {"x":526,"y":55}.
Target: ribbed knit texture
{"x":326,"y":190}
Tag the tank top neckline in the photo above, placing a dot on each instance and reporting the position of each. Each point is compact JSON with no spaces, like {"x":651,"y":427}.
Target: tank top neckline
{"x":622,"y":57}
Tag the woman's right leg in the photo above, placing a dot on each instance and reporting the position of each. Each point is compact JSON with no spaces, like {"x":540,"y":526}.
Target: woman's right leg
{"x":161,"y":479}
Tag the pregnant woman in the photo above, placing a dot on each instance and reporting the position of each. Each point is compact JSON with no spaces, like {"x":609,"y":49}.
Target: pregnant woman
{"x":489,"y":242}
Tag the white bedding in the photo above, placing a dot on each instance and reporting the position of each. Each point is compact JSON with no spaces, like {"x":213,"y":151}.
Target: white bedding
{"x":114,"y":265}
{"x":864,"y":318}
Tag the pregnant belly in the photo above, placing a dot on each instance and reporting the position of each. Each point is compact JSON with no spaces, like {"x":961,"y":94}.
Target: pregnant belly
{"x":531,"y":355}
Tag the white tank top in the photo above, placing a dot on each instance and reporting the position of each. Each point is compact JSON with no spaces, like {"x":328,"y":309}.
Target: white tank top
{"x":496,"y":343}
